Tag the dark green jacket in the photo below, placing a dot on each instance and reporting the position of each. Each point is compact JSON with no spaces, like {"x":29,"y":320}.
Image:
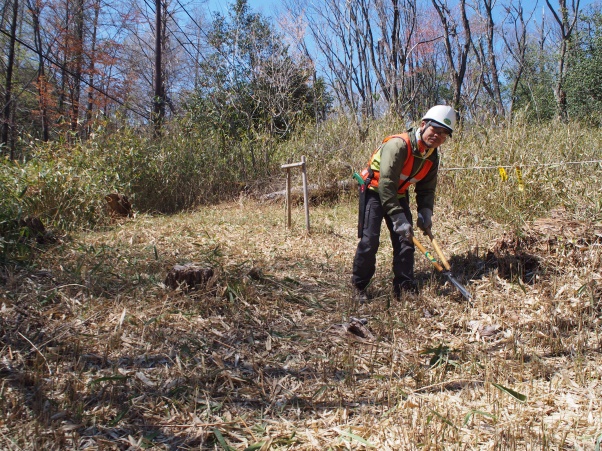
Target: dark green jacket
{"x":393,"y":155}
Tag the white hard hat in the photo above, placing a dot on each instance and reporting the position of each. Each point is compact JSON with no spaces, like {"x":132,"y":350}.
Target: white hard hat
{"x":443,"y":115}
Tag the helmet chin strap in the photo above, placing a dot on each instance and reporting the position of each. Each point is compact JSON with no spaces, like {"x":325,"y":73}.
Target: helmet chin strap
{"x":427,"y":125}
{"x":421,"y":143}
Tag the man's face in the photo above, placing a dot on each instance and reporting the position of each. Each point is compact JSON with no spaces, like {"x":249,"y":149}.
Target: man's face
{"x":432,"y":135}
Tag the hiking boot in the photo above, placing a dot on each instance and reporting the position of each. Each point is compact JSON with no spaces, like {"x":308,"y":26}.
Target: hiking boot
{"x":360,"y":296}
{"x":409,"y":287}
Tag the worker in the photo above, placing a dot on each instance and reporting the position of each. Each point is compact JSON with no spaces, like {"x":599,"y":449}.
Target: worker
{"x":410,"y":158}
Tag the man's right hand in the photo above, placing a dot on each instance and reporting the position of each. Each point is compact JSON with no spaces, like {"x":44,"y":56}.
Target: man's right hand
{"x":402,"y":226}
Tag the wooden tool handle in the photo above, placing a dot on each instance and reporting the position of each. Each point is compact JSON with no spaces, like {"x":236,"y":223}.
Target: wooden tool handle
{"x":427,"y":254}
{"x":428,"y":233}
{"x":440,"y":254}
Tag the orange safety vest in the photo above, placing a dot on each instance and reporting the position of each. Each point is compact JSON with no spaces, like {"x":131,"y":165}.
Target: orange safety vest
{"x":406,"y":178}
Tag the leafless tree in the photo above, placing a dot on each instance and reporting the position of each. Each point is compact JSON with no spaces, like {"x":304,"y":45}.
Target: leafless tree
{"x":492,"y":84}
{"x":76,"y":50}
{"x":566,"y":25}
{"x":35,"y":10}
{"x":398,"y":24}
{"x":457,"y":38}
{"x":341,"y":33}
{"x":92,"y":64}
{"x":8,"y":97}
{"x":515,"y":41}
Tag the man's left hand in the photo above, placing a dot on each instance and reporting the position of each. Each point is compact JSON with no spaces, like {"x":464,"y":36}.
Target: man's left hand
{"x":424,"y":221}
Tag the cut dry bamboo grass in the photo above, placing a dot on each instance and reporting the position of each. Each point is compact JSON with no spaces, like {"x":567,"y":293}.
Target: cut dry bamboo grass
{"x":252,"y":356}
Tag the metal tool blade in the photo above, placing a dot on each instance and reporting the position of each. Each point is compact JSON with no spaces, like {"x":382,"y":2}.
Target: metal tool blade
{"x":458,"y":285}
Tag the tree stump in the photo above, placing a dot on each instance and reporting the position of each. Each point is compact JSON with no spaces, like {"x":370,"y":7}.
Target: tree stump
{"x":119,"y":205}
{"x":36,"y":230}
{"x":356,"y":329}
{"x":188,"y":276}
{"x":35,"y":226}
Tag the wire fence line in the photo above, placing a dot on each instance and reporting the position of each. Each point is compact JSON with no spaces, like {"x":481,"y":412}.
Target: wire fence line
{"x":477,"y":168}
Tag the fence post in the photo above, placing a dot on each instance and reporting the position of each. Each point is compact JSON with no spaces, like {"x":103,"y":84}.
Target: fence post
{"x":288,"y":198}
{"x":305,"y":192}
{"x":288,"y":167}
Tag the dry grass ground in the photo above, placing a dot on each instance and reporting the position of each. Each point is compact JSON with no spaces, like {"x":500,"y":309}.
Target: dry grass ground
{"x":97,"y":353}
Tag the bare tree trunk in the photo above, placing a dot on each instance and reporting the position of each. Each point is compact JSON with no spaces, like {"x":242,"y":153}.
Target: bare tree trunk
{"x":395,"y":56}
{"x":64,"y":63}
{"x":481,"y":57}
{"x":518,"y":48}
{"x":341,"y":36}
{"x":78,"y":50}
{"x":8,"y":101}
{"x":42,"y":85}
{"x":158,"y":102}
{"x":456,"y":50}
{"x":566,"y":31}
{"x":409,"y":27}
{"x":358,"y":39}
{"x":397,"y":22}
{"x":91,"y":69}
{"x":495,"y":79}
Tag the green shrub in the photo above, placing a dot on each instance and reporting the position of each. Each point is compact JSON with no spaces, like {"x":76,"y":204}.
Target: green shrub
{"x":13,"y":202}
{"x":65,"y":186}
{"x":541,"y":151}
{"x":334,"y":151}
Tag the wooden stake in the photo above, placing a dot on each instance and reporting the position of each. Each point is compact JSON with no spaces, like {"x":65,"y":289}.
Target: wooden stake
{"x":288,"y":167}
{"x":288,"y":198}
{"x":305,"y":192}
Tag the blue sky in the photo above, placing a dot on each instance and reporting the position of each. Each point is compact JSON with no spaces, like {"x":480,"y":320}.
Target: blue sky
{"x":267,"y":8}
{"x":271,"y":8}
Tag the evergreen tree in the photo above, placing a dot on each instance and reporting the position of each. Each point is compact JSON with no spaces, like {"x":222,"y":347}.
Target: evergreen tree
{"x":249,"y":85}
{"x":584,"y":89}
{"x":535,"y":90}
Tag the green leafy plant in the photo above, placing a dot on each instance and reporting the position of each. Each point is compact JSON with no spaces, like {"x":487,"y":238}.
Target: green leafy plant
{"x":509,"y":391}
{"x":14,"y":234}
{"x":439,"y":356}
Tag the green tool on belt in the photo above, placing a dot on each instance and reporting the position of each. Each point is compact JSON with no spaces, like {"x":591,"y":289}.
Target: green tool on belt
{"x":362,"y":187}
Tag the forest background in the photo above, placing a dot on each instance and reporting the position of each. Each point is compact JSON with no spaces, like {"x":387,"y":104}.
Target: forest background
{"x":165,"y":101}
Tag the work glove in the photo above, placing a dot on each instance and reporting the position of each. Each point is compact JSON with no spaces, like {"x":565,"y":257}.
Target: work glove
{"x":402,"y":226}
{"x":424,"y":221}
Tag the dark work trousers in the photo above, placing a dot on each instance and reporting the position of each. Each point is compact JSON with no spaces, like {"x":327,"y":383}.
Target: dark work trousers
{"x":364,"y":263}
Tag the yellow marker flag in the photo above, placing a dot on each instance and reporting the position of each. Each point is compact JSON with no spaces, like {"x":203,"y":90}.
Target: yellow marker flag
{"x":519,"y":176}
{"x":503,"y":174}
